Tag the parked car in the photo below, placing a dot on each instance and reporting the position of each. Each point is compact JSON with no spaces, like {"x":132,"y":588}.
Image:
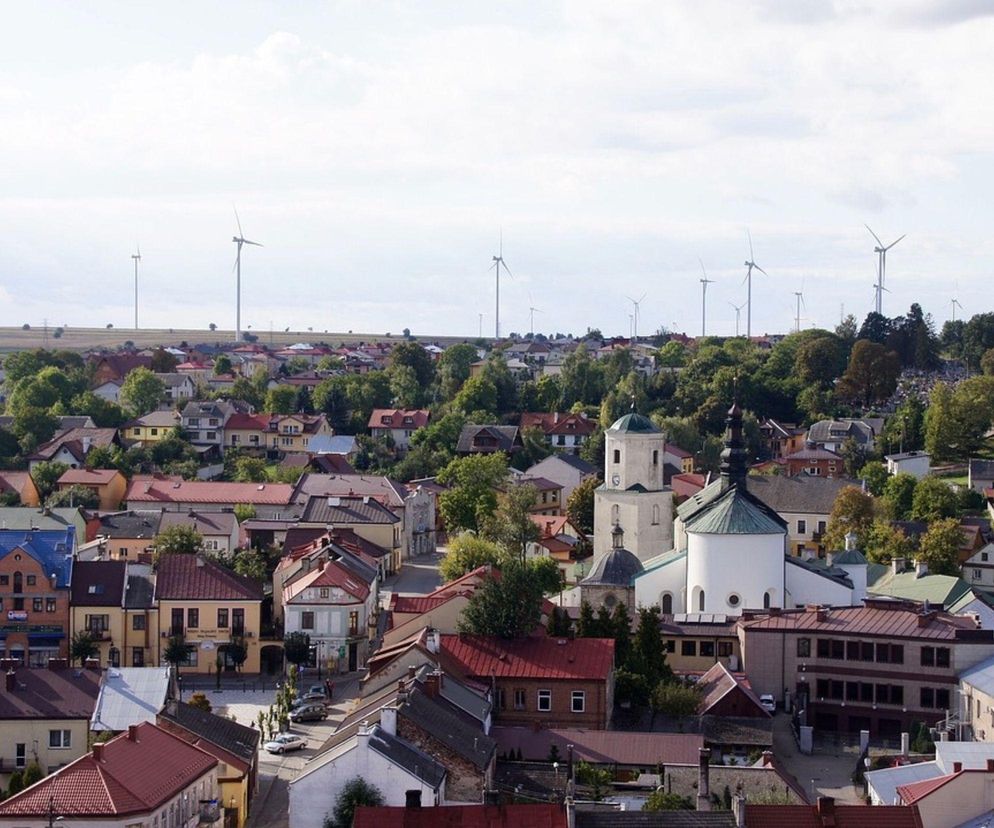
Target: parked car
{"x":315,"y":693}
{"x":769,"y":703}
{"x":309,"y":713}
{"x":285,"y":742}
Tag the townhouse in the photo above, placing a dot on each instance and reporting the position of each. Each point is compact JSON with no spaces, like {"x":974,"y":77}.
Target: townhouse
{"x":109,"y":485}
{"x":151,"y":428}
{"x":564,"y":432}
{"x":173,"y":494}
{"x":398,"y":424}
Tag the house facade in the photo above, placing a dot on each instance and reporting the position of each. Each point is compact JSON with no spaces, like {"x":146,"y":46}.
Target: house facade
{"x":399,"y":424}
{"x":151,"y":428}
{"x":109,"y":485}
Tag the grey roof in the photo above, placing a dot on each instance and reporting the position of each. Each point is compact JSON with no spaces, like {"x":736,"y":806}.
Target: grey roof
{"x":159,"y":419}
{"x":407,"y":756}
{"x":206,"y":523}
{"x":615,"y":568}
{"x":140,"y":590}
{"x":337,"y":510}
{"x":820,"y":567}
{"x":506,"y":437}
{"x":469,"y":742}
{"x":355,"y":565}
{"x":130,"y":695}
{"x":603,"y":818}
{"x":729,"y":511}
{"x":849,"y":557}
{"x":981,"y":676}
{"x":907,"y":455}
{"x":886,"y":780}
{"x":24,"y":517}
{"x":634,"y":422}
{"x":573,"y":460}
{"x":803,"y":494}
{"x":65,"y":421}
{"x":175,"y":380}
{"x":982,"y":468}
{"x":336,"y":444}
{"x":235,"y":738}
{"x":463,"y":698}
{"x":134,"y":524}
{"x":832,"y":431}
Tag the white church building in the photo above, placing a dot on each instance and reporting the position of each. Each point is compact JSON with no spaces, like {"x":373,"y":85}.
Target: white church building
{"x":726,"y":550}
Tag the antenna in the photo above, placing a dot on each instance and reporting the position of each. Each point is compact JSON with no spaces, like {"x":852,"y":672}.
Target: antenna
{"x":738,"y":311}
{"x":750,"y":265}
{"x":137,"y":258}
{"x":881,"y":251}
{"x":239,"y":240}
{"x":704,"y":299}
{"x":498,"y":261}
{"x":637,"y":305}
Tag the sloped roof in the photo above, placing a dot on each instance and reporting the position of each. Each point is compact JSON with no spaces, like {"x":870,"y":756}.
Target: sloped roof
{"x":14,"y":481}
{"x":462,"y":816}
{"x":97,"y":583}
{"x":337,"y":509}
{"x":622,"y":747}
{"x":133,"y":776}
{"x":206,"y":523}
{"x":380,"y":488}
{"x":52,"y":548}
{"x":730,"y":511}
{"x":843,"y":816}
{"x":332,"y":574}
{"x":49,"y":693}
{"x":235,"y":738}
{"x":943,"y":590}
{"x":155,"y":490}
{"x":617,"y":567}
{"x":88,"y":477}
{"x":454,"y":731}
{"x":129,"y":695}
{"x":549,"y":658}
{"x":506,"y":438}
{"x":634,"y":422}
{"x":803,"y":494}
{"x":717,"y":682}
{"x":899,"y":621}
{"x":132,"y":524}
{"x":193,"y":577}
{"x":395,"y":418}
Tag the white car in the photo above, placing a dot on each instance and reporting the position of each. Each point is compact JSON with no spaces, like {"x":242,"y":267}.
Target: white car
{"x":769,"y":703}
{"x":285,"y":742}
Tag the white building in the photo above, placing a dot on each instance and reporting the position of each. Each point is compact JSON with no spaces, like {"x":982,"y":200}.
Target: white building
{"x":633,"y":495}
{"x":568,"y":470}
{"x":916,"y":463}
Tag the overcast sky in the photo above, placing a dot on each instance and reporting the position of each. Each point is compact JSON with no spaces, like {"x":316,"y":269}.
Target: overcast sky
{"x":377,"y":149}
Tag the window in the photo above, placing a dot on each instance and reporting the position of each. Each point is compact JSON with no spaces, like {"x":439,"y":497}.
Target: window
{"x":176,"y":626}
{"x":18,"y":582}
{"x":137,"y":657}
{"x":941,"y":656}
{"x":655,"y":515}
{"x":18,"y":603}
{"x":307,"y":620}
{"x":238,"y":622}
{"x":578,"y":701}
{"x":883,"y":653}
{"x":545,"y":700}
{"x":767,"y":599}
{"x":4,"y":580}
{"x":154,"y":432}
{"x":667,"y":603}
{"x":831,"y":648}
{"x":669,"y":645}
{"x":191,"y":658}
{"x":20,"y":755}
{"x":734,"y":600}
{"x":707,"y":649}
{"x":977,"y":575}
{"x":804,"y":647}
{"x":501,"y":699}
{"x":222,"y":618}
{"x":852,"y":691}
{"x":354,"y":622}
{"x":655,"y":457}
{"x":927,"y":697}
{"x":36,"y":604}
{"x":700,"y":602}
{"x":688,"y":648}
{"x":802,"y":527}
{"x":324,"y":592}
{"x":724,"y":649}
{"x":821,"y":527}
{"x":60,"y":738}
{"x":897,"y":653}
{"x":617,"y":455}
{"x":865,"y":692}
{"x":866,"y":651}
{"x":97,"y":624}
{"x":942,"y":698}
{"x":519,"y":699}
{"x":193,"y":618}
{"x":31,"y":580}
{"x":50,"y":605}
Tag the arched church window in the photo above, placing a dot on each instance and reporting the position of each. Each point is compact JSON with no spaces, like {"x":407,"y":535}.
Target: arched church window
{"x":617,"y":455}
{"x":667,"y":603}
{"x":700,"y":602}
{"x":767,"y":599}
{"x":655,"y":514}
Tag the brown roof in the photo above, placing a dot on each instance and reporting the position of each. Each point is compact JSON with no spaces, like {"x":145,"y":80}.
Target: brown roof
{"x":399,"y":418}
{"x":601,"y":746}
{"x":14,"y":481}
{"x":46,"y":693}
{"x":382,"y":489}
{"x":192,"y":577}
{"x":97,"y":583}
{"x":328,"y":574}
{"x":556,"y":423}
{"x":462,"y":816}
{"x":88,"y":477}
{"x":155,"y":490}
{"x":717,"y":682}
{"x":841,"y":816}
{"x":482,"y":656}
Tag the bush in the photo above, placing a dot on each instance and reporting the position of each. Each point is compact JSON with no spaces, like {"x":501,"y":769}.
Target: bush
{"x":201,"y":702}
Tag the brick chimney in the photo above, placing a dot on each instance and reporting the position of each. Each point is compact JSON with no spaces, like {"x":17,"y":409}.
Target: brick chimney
{"x":98,"y":752}
{"x":92,"y":664}
{"x":432,"y":681}
{"x":704,"y":780}
{"x":990,"y":765}
{"x":825,"y":808}
{"x":957,"y":767}
{"x":767,"y":758}
{"x":11,"y":681}
{"x":132,"y":733}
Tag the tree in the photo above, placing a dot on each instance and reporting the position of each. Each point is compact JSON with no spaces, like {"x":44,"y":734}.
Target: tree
{"x":177,"y":651}
{"x":453,"y":368}
{"x":597,"y":779}
{"x":853,"y":456}
{"x":297,"y":648}
{"x":466,"y":552}
{"x":580,"y":504}
{"x":142,"y":391}
{"x":244,"y":511}
{"x":45,"y":476}
{"x":82,"y":647}
{"x":933,"y":500}
{"x":899,"y":492}
{"x":249,"y":469}
{"x":200,"y":702}
{"x":819,"y":361}
{"x":477,"y":397}
{"x":851,"y":512}
{"x":104,"y":413}
{"x":508,"y":605}
{"x":74,"y":496}
{"x":472,"y":496}
{"x":281,"y":400}
{"x":415,"y":357}
{"x":16,"y":783}
{"x":872,"y":374}
{"x":236,"y":651}
{"x":251,"y":563}
{"x":885,"y":542}
{"x":178,"y":540}
{"x":510,"y":524}
{"x":939,"y":546}
{"x":941,"y":437}
{"x":648,"y":657}
{"x":222,"y":365}
{"x":33,"y":773}
{"x":875,"y":475}
{"x":660,"y":800}
{"x":675,"y":699}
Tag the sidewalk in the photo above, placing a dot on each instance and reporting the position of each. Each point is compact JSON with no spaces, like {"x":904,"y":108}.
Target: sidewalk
{"x":820,"y":774}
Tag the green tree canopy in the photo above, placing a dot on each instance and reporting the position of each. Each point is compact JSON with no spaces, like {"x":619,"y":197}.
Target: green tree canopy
{"x":141,"y":392}
{"x":851,"y":512}
{"x":297,"y":648}
{"x":580,"y":504}
{"x":510,"y":524}
{"x":508,"y":606}
{"x":474,"y":481}
{"x":46,"y":475}
{"x":934,"y":499}
{"x":357,"y":791}
{"x":466,"y":552}
{"x":872,"y":374}
{"x":939,"y":546}
{"x":899,"y":492}
{"x":74,"y":496}
{"x":281,"y":399}
{"x":178,"y":540}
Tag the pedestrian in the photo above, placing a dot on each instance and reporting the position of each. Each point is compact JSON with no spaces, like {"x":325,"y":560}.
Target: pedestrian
{"x":330,"y":687}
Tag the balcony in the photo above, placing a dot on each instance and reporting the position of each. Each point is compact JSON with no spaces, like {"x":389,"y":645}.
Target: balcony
{"x":209,"y":813}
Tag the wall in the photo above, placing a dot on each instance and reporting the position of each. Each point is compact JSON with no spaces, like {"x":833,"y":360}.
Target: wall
{"x":744,"y":565}
{"x":31,"y":731}
{"x":596,"y":715}
{"x":464,"y":782}
{"x":643,"y":537}
{"x":959,"y":801}
{"x":55,"y":623}
{"x":209,"y":633}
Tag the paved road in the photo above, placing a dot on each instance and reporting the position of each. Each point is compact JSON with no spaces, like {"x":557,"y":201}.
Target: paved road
{"x":831,"y":772}
{"x":418,"y":576}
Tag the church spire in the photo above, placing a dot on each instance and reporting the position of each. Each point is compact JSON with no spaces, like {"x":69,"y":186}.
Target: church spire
{"x":733,"y":457}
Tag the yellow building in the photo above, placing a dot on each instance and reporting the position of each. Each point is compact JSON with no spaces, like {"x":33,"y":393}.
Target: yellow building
{"x":210,"y":607}
{"x":31,"y":730}
{"x":150,"y":429}
{"x":293,"y":432}
{"x":126,"y":535}
{"x":108,"y":484}
{"x":113,"y":601}
{"x":20,"y":483}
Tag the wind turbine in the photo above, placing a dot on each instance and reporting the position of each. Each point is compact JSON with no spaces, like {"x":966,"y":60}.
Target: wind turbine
{"x":498,"y":261}
{"x":881,"y":251}
{"x":532,"y":310}
{"x":704,"y":299}
{"x":750,"y":264}
{"x":239,"y":240}
{"x":738,"y":311}
{"x":799,"y":297}
{"x":137,"y":258}
{"x":637,"y":304}
{"x":956,"y":304}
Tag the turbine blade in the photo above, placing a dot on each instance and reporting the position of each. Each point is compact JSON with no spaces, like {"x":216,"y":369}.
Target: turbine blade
{"x":257,"y":244}
{"x":760,"y":270}
{"x":867,"y":226}
{"x":238,"y":221}
{"x":889,"y":246}
{"x":507,"y":270}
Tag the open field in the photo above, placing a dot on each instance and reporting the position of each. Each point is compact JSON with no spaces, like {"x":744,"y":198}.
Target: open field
{"x":84,"y":339}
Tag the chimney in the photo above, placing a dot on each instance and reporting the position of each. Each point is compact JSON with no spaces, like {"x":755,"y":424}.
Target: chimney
{"x":434,"y":641}
{"x":57,"y":664}
{"x":957,"y":767}
{"x":897,"y":565}
{"x":98,"y":752}
{"x":320,"y":564}
{"x":850,"y":541}
{"x":412,"y":799}
{"x":388,"y":720}
{"x":822,"y":614}
{"x":11,"y":681}
{"x":704,"y":780}
{"x":825,"y":808}
{"x":431,"y":685}
{"x":921,"y":568}
{"x":767,"y":758}
{"x":92,"y":664}
{"x":133,"y":733}
{"x":990,"y":765}
{"x":412,"y":671}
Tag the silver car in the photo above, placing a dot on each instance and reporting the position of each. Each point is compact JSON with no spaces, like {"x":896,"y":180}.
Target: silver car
{"x":285,"y":742}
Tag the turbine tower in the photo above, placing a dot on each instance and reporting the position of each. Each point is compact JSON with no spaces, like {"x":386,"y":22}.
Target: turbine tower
{"x":738,"y":312}
{"x":881,"y":251}
{"x":498,"y":261}
{"x":137,"y":258}
{"x":239,"y":240}
{"x":704,"y":299}
{"x":637,"y":305}
{"x":532,"y":310}
{"x":750,"y":265}
{"x":799,"y":297}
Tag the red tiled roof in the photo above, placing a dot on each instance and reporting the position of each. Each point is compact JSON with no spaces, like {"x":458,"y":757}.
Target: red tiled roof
{"x":601,"y":746}
{"x":13,"y":481}
{"x":88,"y":477}
{"x":687,"y":484}
{"x":191,"y":577}
{"x":897,"y":622}
{"x":676,"y":451}
{"x":550,"y":658}
{"x":150,"y":490}
{"x":718,"y":681}
{"x":843,"y":816}
{"x":555,"y":423}
{"x":550,"y":525}
{"x":332,"y":575}
{"x":247,"y":422}
{"x":470,"y":580}
{"x":914,"y":791}
{"x":543,"y":484}
{"x":131,"y":777}
{"x":419,"y":604}
{"x":394,"y":418}
{"x":462,"y":816}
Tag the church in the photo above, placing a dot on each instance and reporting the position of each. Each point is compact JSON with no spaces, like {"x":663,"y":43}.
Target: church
{"x":724,"y":552}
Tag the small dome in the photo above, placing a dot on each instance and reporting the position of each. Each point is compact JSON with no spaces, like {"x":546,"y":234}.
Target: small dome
{"x":616,"y":568}
{"x":634,"y":422}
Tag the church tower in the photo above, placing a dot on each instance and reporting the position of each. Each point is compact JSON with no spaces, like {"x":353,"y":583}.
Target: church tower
{"x":632,"y":495}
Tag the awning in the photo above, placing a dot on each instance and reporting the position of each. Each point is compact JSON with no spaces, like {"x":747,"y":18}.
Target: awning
{"x":40,"y":639}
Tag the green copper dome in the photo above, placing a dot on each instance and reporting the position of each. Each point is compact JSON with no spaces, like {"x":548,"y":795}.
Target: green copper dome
{"x":634,"y":422}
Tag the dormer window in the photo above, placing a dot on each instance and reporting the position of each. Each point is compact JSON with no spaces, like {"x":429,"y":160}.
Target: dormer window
{"x":386,"y":419}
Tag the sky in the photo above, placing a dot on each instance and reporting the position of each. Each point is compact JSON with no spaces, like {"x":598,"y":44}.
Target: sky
{"x":380,"y":150}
